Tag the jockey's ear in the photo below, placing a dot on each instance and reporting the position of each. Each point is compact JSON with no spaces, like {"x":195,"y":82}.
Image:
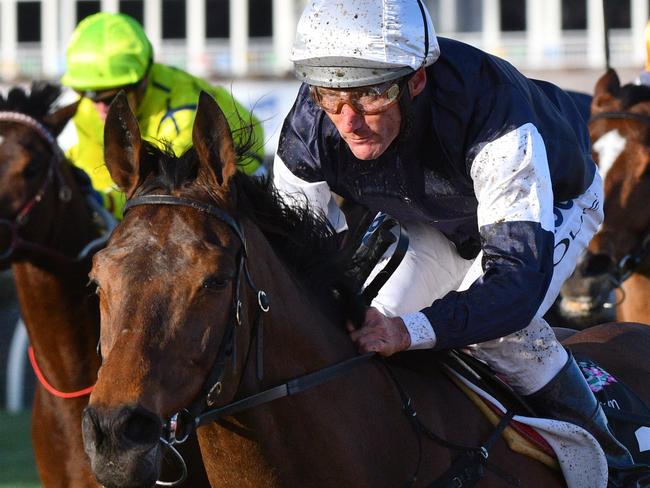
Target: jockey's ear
{"x":57,"y":120}
{"x":417,"y":82}
{"x":123,"y":146}
{"x":213,"y":142}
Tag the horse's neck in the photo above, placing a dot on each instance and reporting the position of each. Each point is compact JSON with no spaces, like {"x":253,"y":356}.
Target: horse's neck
{"x":633,"y":299}
{"x":62,"y":320}
{"x":73,"y":225}
{"x":298,"y":339}
{"x":59,"y":310}
{"x":298,"y":334}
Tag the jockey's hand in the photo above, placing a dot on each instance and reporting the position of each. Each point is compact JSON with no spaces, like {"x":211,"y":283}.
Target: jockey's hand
{"x":380,"y":334}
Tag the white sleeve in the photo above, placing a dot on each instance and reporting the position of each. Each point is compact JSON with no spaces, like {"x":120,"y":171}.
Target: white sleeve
{"x":512,"y":180}
{"x":68,"y":136}
{"x":317,"y":194}
{"x":420,"y":330}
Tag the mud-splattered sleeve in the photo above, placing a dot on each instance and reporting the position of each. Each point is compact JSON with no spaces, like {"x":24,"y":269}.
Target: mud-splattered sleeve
{"x":515,"y":216}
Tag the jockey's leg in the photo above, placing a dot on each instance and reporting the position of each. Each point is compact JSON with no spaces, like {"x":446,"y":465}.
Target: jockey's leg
{"x":430,"y":269}
{"x":537,"y":366}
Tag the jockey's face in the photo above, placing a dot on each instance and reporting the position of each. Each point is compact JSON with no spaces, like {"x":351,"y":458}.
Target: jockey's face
{"x":102,"y":99}
{"x":368,"y":136}
{"x":102,"y":105}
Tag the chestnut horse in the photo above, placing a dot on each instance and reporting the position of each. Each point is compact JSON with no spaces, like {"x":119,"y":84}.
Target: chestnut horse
{"x":212,"y":291}
{"x":618,"y":257}
{"x":47,"y":235}
{"x":44,"y":225}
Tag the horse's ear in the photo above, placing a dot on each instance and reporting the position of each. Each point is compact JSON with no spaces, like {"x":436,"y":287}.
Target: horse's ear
{"x":606,"y":93}
{"x":122,"y":145}
{"x":213,"y":141}
{"x":608,"y":83}
{"x":58,"y":119}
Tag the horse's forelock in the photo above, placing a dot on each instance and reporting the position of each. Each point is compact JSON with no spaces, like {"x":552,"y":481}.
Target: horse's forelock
{"x":303,"y":238}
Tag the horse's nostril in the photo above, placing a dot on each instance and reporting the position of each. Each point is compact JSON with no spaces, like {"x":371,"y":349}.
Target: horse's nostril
{"x":142,"y":428}
{"x":93,"y":435}
{"x":597,"y":264}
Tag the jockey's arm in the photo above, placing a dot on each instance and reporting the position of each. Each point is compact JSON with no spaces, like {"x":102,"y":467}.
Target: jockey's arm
{"x":316,"y":194}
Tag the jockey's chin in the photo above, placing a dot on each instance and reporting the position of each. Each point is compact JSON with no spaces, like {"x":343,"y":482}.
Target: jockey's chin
{"x":102,"y":110}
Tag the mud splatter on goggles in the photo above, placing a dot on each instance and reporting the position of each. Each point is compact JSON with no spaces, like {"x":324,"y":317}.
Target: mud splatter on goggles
{"x":364,"y":100}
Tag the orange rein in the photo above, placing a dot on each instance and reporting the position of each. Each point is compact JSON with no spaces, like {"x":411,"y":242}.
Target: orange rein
{"x":48,"y":386}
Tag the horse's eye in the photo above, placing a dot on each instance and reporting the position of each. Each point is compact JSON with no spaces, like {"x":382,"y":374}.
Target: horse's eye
{"x":31,"y":170}
{"x":93,"y":286}
{"x":215,"y":283}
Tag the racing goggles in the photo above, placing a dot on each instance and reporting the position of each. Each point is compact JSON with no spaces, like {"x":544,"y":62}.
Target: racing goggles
{"x":365,"y":100}
{"x":107,"y":96}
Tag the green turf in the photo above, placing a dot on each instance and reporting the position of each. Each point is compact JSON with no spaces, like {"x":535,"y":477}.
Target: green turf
{"x":17,"y":469}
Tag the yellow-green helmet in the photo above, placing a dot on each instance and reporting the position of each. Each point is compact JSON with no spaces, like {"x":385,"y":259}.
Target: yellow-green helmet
{"x":107,"y":50}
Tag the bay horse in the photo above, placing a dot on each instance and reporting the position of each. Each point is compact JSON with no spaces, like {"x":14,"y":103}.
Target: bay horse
{"x":211,"y":292}
{"x":618,"y":257}
{"x":47,"y":235}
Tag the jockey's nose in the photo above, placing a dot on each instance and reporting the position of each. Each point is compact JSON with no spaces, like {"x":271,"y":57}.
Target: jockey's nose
{"x":350,"y":119}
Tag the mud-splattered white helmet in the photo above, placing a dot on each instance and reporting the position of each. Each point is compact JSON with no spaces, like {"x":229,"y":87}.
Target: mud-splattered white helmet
{"x":350,"y":43}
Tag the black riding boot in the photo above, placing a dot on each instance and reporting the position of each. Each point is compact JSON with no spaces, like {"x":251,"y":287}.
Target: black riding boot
{"x":567,"y":397}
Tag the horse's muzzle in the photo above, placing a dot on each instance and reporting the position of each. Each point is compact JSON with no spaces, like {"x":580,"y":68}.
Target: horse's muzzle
{"x":122,"y":445}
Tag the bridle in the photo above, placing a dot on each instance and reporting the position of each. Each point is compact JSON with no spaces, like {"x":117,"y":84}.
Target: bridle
{"x":631,"y":261}
{"x":622,"y":116}
{"x":213,"y":384}
{"x":202,"y":411}
{"x":64,"y":196}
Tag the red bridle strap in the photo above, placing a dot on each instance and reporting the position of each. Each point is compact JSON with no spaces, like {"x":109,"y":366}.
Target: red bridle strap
{"x":48,"y":386}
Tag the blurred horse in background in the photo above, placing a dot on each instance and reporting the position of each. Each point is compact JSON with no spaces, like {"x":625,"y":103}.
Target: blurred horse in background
{"x":615,"y":271}
{"x":45,"y":227}
{"x":50,"y":227}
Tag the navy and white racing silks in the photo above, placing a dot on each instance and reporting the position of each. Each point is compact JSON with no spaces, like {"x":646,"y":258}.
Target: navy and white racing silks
{"x":488,"y":155}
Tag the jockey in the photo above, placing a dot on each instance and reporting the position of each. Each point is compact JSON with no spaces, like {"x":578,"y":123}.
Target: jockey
{"x":490,"y":172}
{"x":110,"y":52}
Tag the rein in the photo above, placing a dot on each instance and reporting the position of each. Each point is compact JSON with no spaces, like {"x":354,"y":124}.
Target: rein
{"x":621,"y":116}
{"x":64,"y":196}
{"x":48,"y":386}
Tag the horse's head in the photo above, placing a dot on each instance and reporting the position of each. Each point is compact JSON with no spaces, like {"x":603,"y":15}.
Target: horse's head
{"x":168,"y":283}
{"x":31,"y":164}
{"x":620,"y":135}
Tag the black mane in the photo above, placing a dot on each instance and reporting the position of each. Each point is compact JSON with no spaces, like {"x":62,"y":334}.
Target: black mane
{"x":632,"y":94}
{"x":36,"y":102}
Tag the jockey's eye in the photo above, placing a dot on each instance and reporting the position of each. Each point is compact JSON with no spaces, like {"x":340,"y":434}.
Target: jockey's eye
{"x":215,"y":282}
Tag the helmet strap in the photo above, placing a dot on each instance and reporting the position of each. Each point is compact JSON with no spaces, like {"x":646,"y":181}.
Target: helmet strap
{"x":406,"y":111}
{"x":426,"y":32}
